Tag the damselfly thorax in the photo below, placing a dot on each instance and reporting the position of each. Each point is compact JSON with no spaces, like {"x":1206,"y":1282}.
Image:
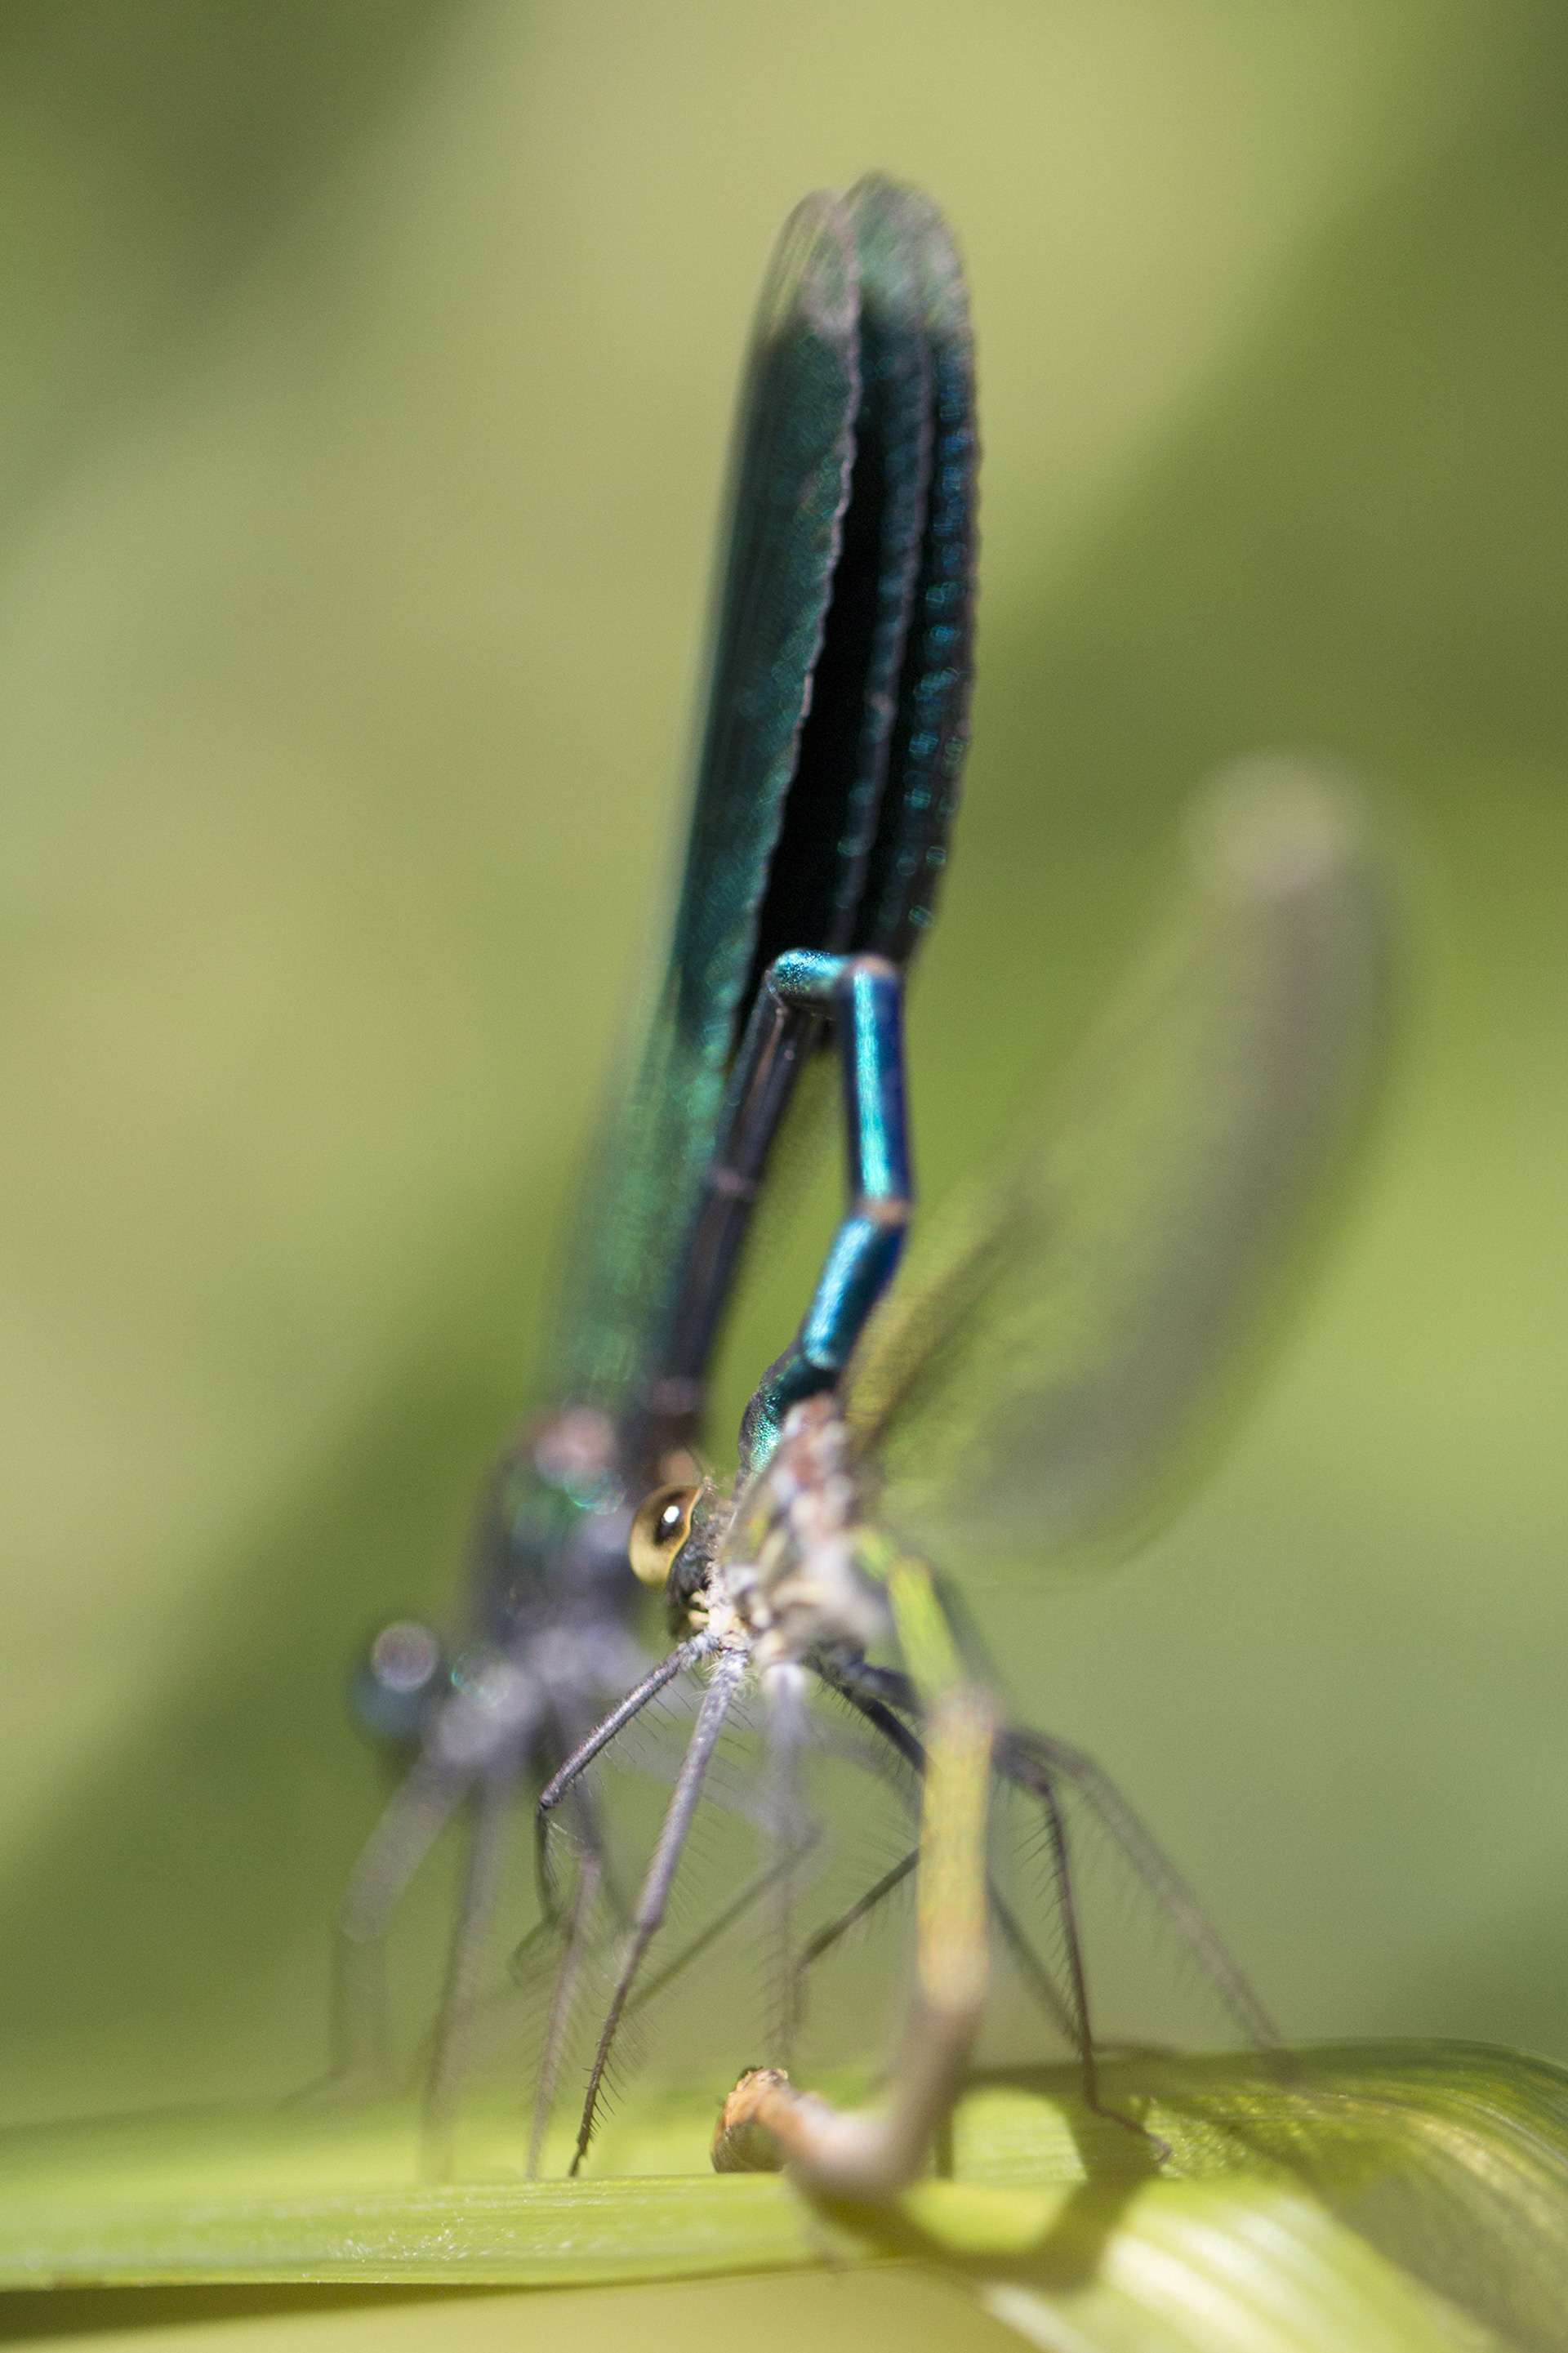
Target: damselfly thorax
{"x":774,"y":1569}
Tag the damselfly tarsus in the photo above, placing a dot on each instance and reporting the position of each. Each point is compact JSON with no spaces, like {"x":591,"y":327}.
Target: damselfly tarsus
{"x":828,"y":760}
{"x":1042,"y":1380}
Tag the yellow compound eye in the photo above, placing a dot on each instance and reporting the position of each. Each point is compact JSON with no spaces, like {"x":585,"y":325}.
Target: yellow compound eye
{"x":661,"y":1526}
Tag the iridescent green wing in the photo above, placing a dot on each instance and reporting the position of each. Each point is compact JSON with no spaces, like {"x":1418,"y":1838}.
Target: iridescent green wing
{"x":818,"y":875}
{"x":789,"y":482}
{"x":1051,"y":1365}
{"x":863,"y":841}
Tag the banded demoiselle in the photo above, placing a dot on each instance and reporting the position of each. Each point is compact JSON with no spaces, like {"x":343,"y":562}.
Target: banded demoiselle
{"x":833,"y":732}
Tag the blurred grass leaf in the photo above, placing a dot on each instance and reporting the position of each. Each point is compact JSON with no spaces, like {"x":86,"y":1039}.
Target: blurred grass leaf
{"x":1400,"y":2196}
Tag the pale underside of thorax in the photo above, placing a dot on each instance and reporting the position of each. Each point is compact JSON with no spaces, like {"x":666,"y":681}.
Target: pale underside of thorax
{"x":786,"y":1579}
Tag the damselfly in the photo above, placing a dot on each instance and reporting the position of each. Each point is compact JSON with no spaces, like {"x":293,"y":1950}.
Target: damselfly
{"x":826,"y":769}
{"x":1040,"y":1381}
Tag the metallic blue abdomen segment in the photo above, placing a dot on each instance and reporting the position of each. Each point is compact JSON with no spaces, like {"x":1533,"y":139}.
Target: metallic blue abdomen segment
{"x":865,"y":996}
{"x":871,"y":1005}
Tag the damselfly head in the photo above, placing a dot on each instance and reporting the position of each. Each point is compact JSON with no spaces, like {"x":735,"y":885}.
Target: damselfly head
{"x":671,"y":1548}
{"x":659,"y":1527}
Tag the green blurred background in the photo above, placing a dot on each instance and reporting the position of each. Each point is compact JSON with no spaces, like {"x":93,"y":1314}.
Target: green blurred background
{"x":367,"y":373}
